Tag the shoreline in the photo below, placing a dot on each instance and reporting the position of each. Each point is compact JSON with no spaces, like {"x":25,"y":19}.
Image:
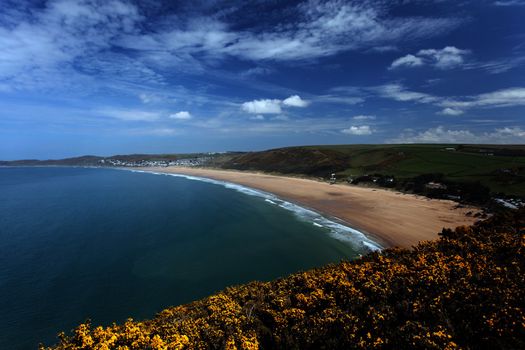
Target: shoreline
{"x":386,"y":217}
{"x":337,"y":228}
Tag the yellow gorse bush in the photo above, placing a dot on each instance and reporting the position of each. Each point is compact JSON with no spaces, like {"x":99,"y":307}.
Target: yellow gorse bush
{"x":462,"y":291}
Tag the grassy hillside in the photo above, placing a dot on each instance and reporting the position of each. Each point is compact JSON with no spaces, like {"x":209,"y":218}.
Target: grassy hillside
{"x":501,"y":168}
{"x":84,"y":160}
{"x":463,"y":291}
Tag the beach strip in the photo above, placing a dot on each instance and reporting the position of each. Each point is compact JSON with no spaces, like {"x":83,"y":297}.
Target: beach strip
{"x":388,"y":217}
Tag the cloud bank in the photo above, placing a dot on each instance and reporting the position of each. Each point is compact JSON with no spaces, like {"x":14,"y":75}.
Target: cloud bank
{"x":441,"y":134}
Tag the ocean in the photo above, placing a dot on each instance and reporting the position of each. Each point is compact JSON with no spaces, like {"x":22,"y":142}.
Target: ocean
{"x":108,"y":244}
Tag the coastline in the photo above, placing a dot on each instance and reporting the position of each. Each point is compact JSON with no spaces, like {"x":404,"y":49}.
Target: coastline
{"x":387,"y":217}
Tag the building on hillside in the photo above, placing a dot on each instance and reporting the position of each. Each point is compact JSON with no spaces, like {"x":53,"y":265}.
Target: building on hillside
{"x":435,"y":186}
{"x":333,"y":179}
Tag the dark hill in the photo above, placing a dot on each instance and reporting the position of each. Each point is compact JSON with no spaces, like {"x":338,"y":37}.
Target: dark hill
{"x":495,"y":167}
{"x":293,"y":160}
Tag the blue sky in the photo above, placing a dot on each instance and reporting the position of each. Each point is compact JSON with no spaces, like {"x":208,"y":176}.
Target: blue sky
{"x":115,"y":76}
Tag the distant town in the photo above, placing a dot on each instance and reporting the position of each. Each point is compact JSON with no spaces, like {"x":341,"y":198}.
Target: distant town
{"x":187,"y":162}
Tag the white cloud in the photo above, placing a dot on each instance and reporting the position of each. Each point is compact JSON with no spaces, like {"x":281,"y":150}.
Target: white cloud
{"x":295,"y":101}
{"x":509,"y":97}
{"x":364,"y":117}
{"x":451,"y":111}
{"x":273,"y":106}
{"x":399,"y":93}
{"x":500,"y":98}
{"x":182,"y":115}
{"x":262,"y":106}
{"x":407,"y":61}
{"x":257,"y":117}
{"x":436,"y":135}
{"x":440,"y":134}
{"x":68,"y":42}
{"x":318,"y":29}
{"x":358,"y":130}
{"x":129,"y":114}
{"x":44,"y":44}
{"x":446,"y":58}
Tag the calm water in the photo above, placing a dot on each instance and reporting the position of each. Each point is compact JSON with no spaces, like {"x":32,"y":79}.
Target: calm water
{"x":107,"y":244}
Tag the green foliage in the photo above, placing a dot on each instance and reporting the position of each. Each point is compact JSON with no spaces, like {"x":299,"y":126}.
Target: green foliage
{"x":467,"y":163}
{"x":462,"y":291}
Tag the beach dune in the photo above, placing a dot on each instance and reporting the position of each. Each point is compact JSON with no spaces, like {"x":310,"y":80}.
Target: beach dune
{"x":388,"y":217}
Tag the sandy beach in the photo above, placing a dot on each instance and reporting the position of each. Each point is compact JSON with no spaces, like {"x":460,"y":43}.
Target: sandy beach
{"x":390,"y":218}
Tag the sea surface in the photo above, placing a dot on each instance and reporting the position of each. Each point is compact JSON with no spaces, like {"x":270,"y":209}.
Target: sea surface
{"x":107,"y":244}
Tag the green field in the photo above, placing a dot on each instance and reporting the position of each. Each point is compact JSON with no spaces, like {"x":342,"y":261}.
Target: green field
{"x":501,"y":168}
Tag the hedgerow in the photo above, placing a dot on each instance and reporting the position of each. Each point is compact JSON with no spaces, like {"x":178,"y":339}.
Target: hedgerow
{"x":464,"y":290}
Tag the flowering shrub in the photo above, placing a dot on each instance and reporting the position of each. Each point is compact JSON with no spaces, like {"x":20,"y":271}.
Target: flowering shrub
{"x":462,"y":291}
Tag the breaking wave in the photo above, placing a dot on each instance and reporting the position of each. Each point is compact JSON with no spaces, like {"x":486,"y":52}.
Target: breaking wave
{"x":335,"y":229}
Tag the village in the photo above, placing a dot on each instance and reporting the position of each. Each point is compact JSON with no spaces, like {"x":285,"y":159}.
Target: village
{"x":185,"y":162}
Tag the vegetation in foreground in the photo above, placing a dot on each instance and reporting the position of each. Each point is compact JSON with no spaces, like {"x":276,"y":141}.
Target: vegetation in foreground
{"x":462,"y":291}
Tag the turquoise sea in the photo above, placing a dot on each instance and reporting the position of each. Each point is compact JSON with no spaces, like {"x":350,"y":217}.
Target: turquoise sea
{"x":108,"y":244}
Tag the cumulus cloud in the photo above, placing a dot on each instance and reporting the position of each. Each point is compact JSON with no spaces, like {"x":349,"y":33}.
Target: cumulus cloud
{"x":358,"y":130}
{"x":266,"y":106}
{"x":446,"y":58}
{"x":295,"y":101}
{"x":440,"y":134}
{"x":257,"y":117}
{"x":273,"y":106}
{"x":407,"y":61}
{"x":182,"y":115}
